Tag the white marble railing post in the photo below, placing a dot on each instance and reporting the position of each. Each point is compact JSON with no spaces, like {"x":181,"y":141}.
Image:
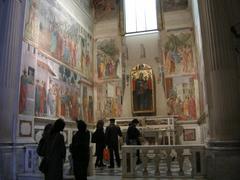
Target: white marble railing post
{"x":145,"y":162}
{"x":169,"y":159}
{"x":180,"y":161}
{"x":157,"y":161}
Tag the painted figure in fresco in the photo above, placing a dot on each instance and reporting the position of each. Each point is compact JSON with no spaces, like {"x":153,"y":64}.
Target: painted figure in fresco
{"x":31,"y":22}
{"x":43,"y":99}
{"x":178,"y":106}
{"x":59,"y":44}
{"x":67,"y":103}
{"x":90,"y":109}
{"x":192,"y":108}
{"x":53,"y":41}
{"x":62,"y":102}
{"x":139,"y":92}
{"x":101,"y":67}
{"x":23,"y":92}
{"x":37,"y":98}
{"x":74,"y":103}
{"x":186,"y":107}
{"x":148,"y":91}
{"x":170,"y":103}
{"x":31,"y":75}
{"x":66,"y":53}
{"x":58,"y":100}
{"x":82,"y":61}
{"x":51,"y":102}
{"x":88,"y":62}
{"x":74,"y":53}
{"x":169,"y":63}
{"x":85,"y":103}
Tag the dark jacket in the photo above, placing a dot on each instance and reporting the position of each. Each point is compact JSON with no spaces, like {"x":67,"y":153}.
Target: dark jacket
{"x":99,"y":140}
{"x":55,"y":154}
{"x":112,"y":133}
{"x":80,"y":146}
{"x":133,"y":135}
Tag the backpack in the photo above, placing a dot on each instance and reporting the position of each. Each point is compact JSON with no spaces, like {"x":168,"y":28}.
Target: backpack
{"x":41,"y":147}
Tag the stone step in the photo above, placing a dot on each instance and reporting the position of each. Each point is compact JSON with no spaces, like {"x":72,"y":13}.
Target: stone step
{"x":32,"y":176}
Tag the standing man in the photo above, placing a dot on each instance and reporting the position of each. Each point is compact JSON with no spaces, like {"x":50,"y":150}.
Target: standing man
{"x":112,"y":134}
{"x":133,"y":135}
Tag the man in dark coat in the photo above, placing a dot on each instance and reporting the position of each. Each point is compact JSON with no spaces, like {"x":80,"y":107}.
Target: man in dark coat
{"x":55,"y":152}
{"x":133,"y":135}
{"x":112,"y":134}
{"x":80,"y":151}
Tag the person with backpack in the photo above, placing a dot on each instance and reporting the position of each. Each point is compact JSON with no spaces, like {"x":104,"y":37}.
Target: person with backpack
{"x":42,"y":147}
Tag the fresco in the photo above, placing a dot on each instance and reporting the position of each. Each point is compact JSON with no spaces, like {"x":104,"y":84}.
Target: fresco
{"x":28,"y":71}
{"x":181,"y":97}
{"x":48,"y":89}
{"x":87,"y":104}
{"x":173,"y":5}
{"x":108,"y":60}
{"x":178,"y":53}
{"x":181,"y":84}
{"x":105,"y":9}
{"x":57,"y":90}
{"x":50,"y":28}
{"x":109,"y":104}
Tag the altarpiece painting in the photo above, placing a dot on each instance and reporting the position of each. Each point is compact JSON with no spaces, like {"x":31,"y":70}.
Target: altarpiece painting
{"x":142,"y":90}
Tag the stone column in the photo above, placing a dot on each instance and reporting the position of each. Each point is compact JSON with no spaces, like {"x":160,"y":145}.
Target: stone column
{"x":220,"y":59}
{"x":11,"y":30}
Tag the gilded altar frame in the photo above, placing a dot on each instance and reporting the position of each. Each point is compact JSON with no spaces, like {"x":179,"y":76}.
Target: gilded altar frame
{"x":142,"y":90}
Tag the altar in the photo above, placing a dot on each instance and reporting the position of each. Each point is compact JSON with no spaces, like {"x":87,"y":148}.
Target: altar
{"x":155,"y":130}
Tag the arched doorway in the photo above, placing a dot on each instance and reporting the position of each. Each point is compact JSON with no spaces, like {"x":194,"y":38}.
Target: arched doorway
{"x":142,"y":90}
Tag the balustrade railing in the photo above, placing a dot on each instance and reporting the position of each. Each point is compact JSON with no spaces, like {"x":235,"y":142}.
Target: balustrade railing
{"x":164,"y":161}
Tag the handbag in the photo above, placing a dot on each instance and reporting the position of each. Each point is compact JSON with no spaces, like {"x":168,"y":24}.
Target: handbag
{"x":43,"y":165}
{"x":106,"y":154}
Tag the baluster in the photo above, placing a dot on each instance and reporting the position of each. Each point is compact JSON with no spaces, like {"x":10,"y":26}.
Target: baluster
{"x":145,"y":162}
{"x":180,"y":161}
{"x":169,"y":159}
{"x":191,"y":161}
{"x":36,"y":161}
{"x":157,"y":161}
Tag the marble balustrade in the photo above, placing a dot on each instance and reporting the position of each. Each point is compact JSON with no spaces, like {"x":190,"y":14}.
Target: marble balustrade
{"x":164,"y":161}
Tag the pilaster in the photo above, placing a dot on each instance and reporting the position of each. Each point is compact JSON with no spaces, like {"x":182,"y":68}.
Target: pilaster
{"x":11,"y":28}
{"x":222,"y":83}
{"x":221,"y":70}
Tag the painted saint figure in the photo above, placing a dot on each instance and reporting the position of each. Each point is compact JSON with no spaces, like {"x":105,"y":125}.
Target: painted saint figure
{"x":23,"y":92}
